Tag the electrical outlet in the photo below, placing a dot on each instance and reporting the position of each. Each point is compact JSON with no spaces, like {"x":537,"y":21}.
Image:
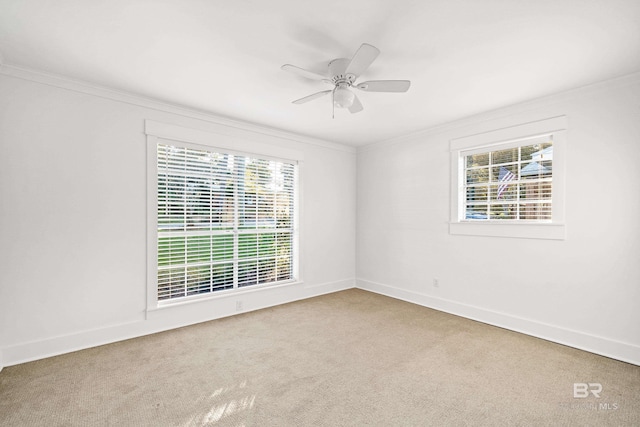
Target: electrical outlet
{"x":436,"y":283}
{"x":239,"y":306}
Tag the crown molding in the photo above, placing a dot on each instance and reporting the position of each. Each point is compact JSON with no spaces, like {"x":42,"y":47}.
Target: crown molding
{"x":503,"y":112}
{"x":88,"y":88}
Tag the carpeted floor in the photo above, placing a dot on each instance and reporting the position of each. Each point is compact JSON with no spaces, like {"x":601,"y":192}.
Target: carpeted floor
{"x":350,"y":358}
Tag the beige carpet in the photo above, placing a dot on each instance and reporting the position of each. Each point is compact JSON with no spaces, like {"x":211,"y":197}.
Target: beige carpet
{"x":350,"y":358}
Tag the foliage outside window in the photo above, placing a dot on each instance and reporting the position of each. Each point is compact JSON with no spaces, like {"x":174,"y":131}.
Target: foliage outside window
{"x":510,"y":184}
{"x":224,"y":221}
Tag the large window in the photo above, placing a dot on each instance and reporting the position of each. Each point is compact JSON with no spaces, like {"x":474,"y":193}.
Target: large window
{"x":224,"y":220}
{"x":510,"y":182}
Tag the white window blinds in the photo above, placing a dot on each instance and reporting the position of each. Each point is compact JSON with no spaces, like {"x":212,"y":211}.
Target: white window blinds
{"x":225,"y":221}
{"x":509,"y":183}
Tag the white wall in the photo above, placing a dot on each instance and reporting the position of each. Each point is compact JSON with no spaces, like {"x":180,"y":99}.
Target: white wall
{"x":73,"y":230}
{"x":582,"y":291}
{"x":73,"y":217}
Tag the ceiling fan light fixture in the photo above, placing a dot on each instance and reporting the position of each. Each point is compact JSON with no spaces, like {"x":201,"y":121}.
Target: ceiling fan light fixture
{"x":343,"y":97}
{"x":342,"y":75}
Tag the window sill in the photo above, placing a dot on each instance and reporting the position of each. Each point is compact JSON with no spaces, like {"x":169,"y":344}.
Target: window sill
{"x":515,"y":230}
{"x":220,"y":295}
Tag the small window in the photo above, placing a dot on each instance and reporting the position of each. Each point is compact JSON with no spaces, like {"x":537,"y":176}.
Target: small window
{"x":510,"y":182}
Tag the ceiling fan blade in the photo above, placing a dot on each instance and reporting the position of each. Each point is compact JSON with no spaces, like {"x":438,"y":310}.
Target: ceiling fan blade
{"x":356,"y":106}
{"x":385,"y":86}
{"x":361,"y":60}
{"x":312,"y":97}
{"x":302,"y":72}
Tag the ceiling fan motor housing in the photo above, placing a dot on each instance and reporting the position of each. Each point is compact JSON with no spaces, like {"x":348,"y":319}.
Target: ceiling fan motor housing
{"x":337,"y":72}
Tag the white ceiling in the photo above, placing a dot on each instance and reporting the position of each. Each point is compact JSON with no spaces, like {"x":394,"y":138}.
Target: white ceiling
{"x":462,"y":56}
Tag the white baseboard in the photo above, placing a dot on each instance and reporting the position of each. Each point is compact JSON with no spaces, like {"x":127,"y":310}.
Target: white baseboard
{"x":223,"y":307}
{"x":625,"y":352}
{"x":166,"y":319}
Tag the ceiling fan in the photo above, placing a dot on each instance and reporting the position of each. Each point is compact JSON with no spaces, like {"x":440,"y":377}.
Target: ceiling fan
{"x":342,"y":74}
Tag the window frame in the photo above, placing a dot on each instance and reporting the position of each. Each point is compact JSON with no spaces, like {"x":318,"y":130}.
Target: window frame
{"x":202,"y":140}
{"x":510,"y":137}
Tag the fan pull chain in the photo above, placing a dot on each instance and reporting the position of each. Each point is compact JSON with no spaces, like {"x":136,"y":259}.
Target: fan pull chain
{"x":333,"y":103}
